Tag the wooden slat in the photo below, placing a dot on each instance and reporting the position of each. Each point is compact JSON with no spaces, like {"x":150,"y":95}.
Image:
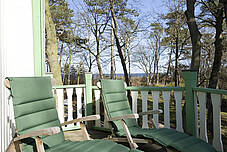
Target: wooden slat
{"x":97,"y":106}
{"x":70,"y":106}
{"x":166,"y":98}
{"x":144,"y":95}
{"x":79,"y":103}
{"x":155,"y":97}
{"x":78,"y":120}
{"x":41,"y":132}
{"x":202,"y":97}
{"x":129,"y":116}
{"x":179,"y":122}
{"x":122,"y":139}
{"x":134,"y":101}
{"x":217,"y":140}
{"x":150,"y":112}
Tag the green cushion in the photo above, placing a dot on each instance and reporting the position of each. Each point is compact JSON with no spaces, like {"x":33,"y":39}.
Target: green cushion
{"x":116,"y":104}
{"x":91,"y":146}
{"x":35,"y":109}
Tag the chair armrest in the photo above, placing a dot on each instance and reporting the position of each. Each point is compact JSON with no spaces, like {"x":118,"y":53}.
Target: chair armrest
{"x":87,"y":118}
{"x":129,"y":116}
{"x":41,"y":132}
{"x":150,"y":112}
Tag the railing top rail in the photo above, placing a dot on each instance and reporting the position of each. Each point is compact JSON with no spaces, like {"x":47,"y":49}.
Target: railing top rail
{"x":69,"y":86}
{"x":140,"y":88}
{"x":95,"y":88}
{"x":209,"y":90}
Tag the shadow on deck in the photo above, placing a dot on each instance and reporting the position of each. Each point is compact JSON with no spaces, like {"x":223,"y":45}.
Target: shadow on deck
{"x":76,"y":135}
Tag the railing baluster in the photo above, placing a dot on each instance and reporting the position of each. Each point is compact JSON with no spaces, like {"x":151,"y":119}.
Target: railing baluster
{"x":134,"y":101}
{"x":202,"y":97}
{"x":155,"y":97}
{"x":178,"y":98}
{"x":60,"y":105}
{"x":166,"y":98}
{"x":12,"y":123}
{"x":70,"y":106}
{"x":216,"y":102}
{"x":97,"y":106}
{"x":144,"y":95}
{"x":79,"y":103}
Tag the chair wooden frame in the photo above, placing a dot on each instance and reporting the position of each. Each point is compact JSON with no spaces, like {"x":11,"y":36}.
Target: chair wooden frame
{"x":132,"y":141}
{"x":16,"y":145}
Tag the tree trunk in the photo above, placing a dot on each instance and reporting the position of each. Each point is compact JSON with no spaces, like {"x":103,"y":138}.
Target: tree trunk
{"x":119,"y":50}
{"x":169,"y":64}
{"x":176,"y":63}
{"x":52,"y":45}
{"x":61,"y":52}
{"x":225,"y":10}
{"x":154,"y":71}
{"x":118,"y":44}
{"x":194,"y":33}
{"x":69,"y":65}
{"x":113,"y":66}
{"x":157,"y":64}
{"x":89,"y":47}
{"x":213,"y":81}
{"x":196,"y":44}
{"x":99,"y":66}
{"x":129,"y":65}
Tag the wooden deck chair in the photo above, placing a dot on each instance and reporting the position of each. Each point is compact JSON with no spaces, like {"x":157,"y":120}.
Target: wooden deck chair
{"x":124,"y":122}
{"x":37,"y":124}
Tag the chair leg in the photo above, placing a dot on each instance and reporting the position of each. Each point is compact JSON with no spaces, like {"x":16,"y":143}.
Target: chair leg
{"x":39,"y":144}
{"x":84,"y":131}
{"x":15,"y":146}
{"x":132,"y":144}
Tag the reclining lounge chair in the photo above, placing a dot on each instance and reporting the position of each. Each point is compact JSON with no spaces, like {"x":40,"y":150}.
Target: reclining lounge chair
{"x":124,"y":124}
{"x":37,"y":124}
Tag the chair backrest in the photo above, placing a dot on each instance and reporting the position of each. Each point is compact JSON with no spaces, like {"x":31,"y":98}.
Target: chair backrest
{"x":116,"y":102}
{"x":34,"y":109}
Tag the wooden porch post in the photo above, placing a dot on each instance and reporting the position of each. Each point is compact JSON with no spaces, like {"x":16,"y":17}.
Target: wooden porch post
{"x":190,"y":78}
{"x":88,"y":86}
{"x":38,"y":36}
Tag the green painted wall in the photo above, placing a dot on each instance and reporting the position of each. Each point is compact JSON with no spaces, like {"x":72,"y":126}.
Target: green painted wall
{"x":38,"y":36}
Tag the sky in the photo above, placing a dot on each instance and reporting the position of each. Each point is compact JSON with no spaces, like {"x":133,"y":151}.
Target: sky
{"x":151,"y":7}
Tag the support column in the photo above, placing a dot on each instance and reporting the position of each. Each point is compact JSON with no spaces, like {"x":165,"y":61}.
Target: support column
{"x":88,"y":87}
{"x":38,"y":9}
{"x":190,"y":78}
{"x":88,"y":93}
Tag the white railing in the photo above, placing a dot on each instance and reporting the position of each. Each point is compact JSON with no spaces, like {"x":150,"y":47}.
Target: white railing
{"x":7,"y":121}
{"x":156,"y":98}
{"x":67,"y":103}
{"x":216,"y":96}
{"x":157,"y":94}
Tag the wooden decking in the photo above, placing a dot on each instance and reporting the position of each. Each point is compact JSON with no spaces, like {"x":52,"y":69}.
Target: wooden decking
{"x":76,"y":135}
